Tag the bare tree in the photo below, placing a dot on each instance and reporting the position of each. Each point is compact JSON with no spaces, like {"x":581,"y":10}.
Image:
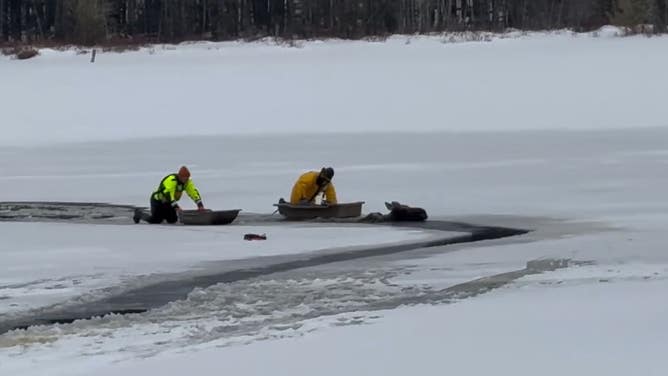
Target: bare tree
{"x":91,"y":21}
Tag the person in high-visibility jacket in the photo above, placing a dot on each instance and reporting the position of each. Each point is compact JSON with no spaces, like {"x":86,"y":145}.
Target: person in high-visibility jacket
{"x":313,"y":183}
{"x":164,"y":200}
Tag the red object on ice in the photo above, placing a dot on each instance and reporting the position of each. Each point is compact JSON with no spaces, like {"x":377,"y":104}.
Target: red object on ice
{"x":255,"y":237}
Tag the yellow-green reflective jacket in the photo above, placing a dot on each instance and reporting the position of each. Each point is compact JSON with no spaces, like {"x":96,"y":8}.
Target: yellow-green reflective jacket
{"x":171,"y":189}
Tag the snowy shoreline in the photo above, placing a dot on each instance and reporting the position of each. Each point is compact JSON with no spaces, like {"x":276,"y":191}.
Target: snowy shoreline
{"x":608,"y":31}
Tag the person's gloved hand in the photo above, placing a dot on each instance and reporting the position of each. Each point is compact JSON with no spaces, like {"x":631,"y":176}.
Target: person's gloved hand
{"x":179,"y":213}
{"x":200,"y":207}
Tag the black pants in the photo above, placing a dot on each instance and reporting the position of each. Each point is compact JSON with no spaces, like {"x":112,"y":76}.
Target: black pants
{"x":162,"y":211}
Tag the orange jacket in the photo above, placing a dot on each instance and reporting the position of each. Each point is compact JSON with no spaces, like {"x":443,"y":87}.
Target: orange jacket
{"x":305,"y":189}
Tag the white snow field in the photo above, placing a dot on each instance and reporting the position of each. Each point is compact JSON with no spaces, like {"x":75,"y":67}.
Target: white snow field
{"x":562,"y":134}
{"x":541,"y":81}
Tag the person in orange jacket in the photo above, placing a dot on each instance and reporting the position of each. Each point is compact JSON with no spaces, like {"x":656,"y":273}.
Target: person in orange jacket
{"x":313,"y":183}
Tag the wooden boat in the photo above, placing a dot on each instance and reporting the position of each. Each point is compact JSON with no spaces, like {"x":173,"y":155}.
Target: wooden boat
{"x":208,"y":217}
{"x":344,"y":210}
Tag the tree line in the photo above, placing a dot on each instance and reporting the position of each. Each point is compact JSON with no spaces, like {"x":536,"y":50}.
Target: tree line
{"x":138,"y":21}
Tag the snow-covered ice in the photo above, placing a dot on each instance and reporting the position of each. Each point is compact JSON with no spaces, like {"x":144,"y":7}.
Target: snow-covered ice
{"x":611,"y":329}
{"x":605,"y":317}
{"x":69,"y":260}
{"x":542,"y":81}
